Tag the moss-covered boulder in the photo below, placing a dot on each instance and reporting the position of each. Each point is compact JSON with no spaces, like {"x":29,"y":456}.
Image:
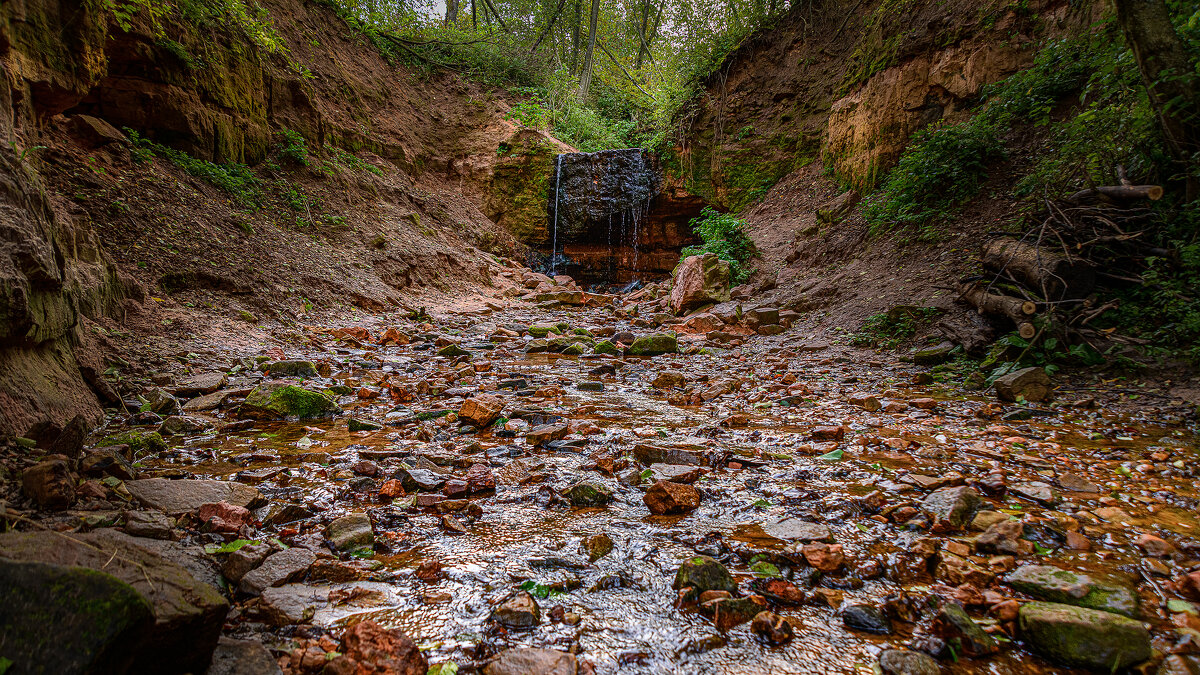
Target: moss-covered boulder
{"x":606,"y":347}
{"x":1084,"y":638}
{"x":453,"y":351}
{"x":57,"y":619}
{"x":290,"y":368}
{"x":139,"y":442}
{"x":653,"y":345}
{"x":1053,"y":584}
{"x":702,"y":573}
{"x":518,"y":195}
{"x":588,"y":494}
{"x":542,"y":331}
{"x":278,"y":401}
{"x":188,"y":613}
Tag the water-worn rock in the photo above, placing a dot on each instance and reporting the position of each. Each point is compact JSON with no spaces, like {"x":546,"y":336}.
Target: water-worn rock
{"x":668,"y":379}
{"x":953,"y":625}
{"x":588,"y":494}
{"x":176,"y":496}
{"x":273,"y":401}
{"x":1053,"y":584}
{"x":542,"y":434}
{"x":182,"y":425}
{"x":291,"y":604}
{"x":148,"y":524}
{"x":532,"y":661}
{"x":188,"y":614}
{"x":1030,"y":384}
{"x":701,"y":574}
{"x":351,"y":532}
{"x":200,"y":384}
{"x":239,"y":563}
{"x":368,"y":648}
{"x":727,"y":612}
{"x":772,"y":628}
{"x":102,"y":462}
{"x":1002,"y":537}
{"x":277,"y":569}
{"x":699,"y":280}
{"x":518,"y":610}
{"x":794,"y":529}
{"x":953,"y":506}
{"x":666,"y":497}
{"x":242,"y":657}
{"x":866,"y":618}
{"x":1086,"y":638}
{"x":653,"y":345}
{"x":290,"y":369}
{"x":481,"y":411}
{"x":904,"y":662}
{"x":597,"y":546}
{"x":49,"y":484}
{"x":57,"y":619}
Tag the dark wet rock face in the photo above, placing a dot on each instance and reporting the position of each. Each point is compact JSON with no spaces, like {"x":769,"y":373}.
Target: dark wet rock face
{"x":610,"y":220}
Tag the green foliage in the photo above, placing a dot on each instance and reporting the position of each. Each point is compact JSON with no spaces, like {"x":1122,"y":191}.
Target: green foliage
{"x":941,"y":169}
{"x":889,"y":330}
{"x":292,"y":146}
{"x":1165,"y":311}
{"x":1012,"y":352}
{"x":235,"y":179}
{"x":540,"y":591}
{"x":723,"y":234}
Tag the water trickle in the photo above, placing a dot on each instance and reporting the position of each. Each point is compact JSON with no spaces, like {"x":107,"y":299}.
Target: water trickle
{"x":554,"y":236}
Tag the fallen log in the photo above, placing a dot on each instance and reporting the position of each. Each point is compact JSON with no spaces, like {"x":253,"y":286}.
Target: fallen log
{"x":1048,"y":272}
{"x":1118,"y":193}
{"x":1018,"y":311}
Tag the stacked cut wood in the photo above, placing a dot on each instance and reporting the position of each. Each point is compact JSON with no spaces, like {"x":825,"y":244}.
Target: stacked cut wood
{"x":1055,"y":266}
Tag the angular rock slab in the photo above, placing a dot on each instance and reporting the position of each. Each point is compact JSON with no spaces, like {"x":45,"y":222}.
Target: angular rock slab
{"x":242,"y":657}
{"x":58,"y":619}
{"x":532,"y":661}
{"x":175,"y":496}
{"x":1053,"y":584}
{"x":188,"y":614}
{"x":1087,"y":638}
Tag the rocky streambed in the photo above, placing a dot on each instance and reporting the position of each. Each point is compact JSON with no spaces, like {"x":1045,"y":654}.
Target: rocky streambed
{"x":573,"y":489}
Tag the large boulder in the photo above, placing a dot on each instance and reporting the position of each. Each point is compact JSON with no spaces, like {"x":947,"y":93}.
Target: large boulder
{"x":58,"y":619}
{"x":1030,"y":384}
{"x":653,"y":345}
{"x":702,"y":573}
{"x":699,"y":280}
{"x":367,"y":647}
{"x":532,"y":661}
{"x":177,"y":496}
{"x":273,"y":401}
{"x":188,"y":614}
{"x":1085,"y":638}
{"x":1053,"y":584}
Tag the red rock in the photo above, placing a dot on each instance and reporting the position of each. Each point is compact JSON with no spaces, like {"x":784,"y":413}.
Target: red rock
{"x":50,"y":484}
{"x":480,"y":478}
{"x":546,"y":433}
{"x":392,"y":489}
{"x":825,"y":557}
{"x":924,"y":403}
{"x":369,"y":649}
{"x":666,"y":497}
{"x":1154,"y":546}
{"x":699,"y":280}
{"x":829,"y":433}
{"x":366,"y":467}
{"x":430,"y":571}
{"x":480,"y":411}
{"x":772,"y":628}
{"x":223,"y":516}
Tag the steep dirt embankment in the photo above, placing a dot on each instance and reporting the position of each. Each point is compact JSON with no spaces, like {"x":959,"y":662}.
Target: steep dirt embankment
{"x":828,"y":99}
{"x":379,"y":200}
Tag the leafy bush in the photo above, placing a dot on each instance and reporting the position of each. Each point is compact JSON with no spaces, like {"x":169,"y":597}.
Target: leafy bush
{"x":293,"y":147}
{"x":235,"y":179}
{"x":888,"y":330}
{"x":724,"y":235}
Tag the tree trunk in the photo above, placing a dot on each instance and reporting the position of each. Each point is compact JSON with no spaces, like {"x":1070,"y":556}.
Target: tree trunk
{"x":1048,"y":272}
{"x":1162,"y":58}
{"x":451,"y":12}
{"x":474,"y":16}
{"x":575,"y":37}
{"x":549,"y":25}
{"x":642,"y":33}
{"x":585,"y":75}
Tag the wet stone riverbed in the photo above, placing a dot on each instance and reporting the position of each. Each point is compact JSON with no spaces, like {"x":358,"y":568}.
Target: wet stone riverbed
{"x":813,"y":466}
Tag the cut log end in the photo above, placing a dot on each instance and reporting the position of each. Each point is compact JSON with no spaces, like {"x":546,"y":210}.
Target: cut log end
{"x":1026,"y":331}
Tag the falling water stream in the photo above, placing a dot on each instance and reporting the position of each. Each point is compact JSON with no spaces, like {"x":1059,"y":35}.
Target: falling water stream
{"x":554,"y":236}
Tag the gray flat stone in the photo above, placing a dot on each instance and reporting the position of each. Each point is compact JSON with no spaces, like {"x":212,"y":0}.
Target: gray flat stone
{"x":176,"y":496}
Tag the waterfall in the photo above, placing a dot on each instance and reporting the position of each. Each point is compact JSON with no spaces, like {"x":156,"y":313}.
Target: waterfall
{"x":554,"y":236}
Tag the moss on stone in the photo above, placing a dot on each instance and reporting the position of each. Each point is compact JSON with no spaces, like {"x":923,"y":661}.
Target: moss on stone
{"x":275,"y":401}
{"x":139,"y":442}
